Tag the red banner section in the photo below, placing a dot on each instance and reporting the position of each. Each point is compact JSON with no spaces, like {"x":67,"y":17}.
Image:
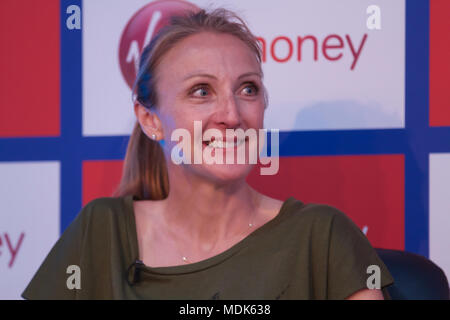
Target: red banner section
{"x":30,"y":68}
{"x":100,"y":178}
{"x":439,"y":63}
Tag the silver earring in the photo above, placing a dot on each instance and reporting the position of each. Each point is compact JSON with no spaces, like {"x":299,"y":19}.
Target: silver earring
{"x":154,"y":136}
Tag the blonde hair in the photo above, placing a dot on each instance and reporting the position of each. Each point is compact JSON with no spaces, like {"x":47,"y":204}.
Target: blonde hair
{"x":145,"y":169}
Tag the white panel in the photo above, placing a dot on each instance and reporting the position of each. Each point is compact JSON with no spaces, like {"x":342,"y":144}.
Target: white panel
{"x":29,"y":210}
{"x":323,"y":94}
{"x":107,"y":107}
{"x":304,"y":95}
{"x":440,"y":210}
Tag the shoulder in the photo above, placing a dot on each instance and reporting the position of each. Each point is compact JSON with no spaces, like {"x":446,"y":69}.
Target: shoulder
{"x":322,"y":222}
{"x":337,"y":246}
{"x":299,"y":210}
{"x":105,"y":203}
{"x":103,"y":210}
{"x":105,"y":223}
{"x":317,"y":213}
{"x":320,"y":210}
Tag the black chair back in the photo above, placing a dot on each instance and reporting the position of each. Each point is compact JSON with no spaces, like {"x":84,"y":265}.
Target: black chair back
{"x":415,"y":277}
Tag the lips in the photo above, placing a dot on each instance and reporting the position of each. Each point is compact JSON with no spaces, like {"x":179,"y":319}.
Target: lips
{"x":223,"y":144}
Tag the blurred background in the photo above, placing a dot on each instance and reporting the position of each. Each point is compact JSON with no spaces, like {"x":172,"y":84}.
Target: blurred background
{"x":358,"y":89}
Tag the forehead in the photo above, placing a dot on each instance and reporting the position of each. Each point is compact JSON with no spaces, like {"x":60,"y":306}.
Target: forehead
{"x":213,"y":53}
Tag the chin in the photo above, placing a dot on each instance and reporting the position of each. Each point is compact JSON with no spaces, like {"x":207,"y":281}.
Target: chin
{"x":226,"y":173}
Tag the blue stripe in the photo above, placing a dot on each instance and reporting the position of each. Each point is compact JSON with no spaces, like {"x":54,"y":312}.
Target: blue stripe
{"x":420,"y":137}
{"x":295,"y":143}
{"x":71,"y":118}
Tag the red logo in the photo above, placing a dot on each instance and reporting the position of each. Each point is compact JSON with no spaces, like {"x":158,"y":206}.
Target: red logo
{"x":141,"y":28}
{"x":12,"y":247}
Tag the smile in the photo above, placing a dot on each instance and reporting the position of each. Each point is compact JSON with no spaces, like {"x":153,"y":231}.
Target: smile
{"x":225,"y":144}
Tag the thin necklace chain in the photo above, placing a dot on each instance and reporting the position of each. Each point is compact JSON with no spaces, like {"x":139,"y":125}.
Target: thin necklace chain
{"x":185,"y":259}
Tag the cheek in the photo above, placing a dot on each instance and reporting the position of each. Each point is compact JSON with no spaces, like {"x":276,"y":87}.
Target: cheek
{"x":176,"y":124}
{"x":170,"y":120}
{"x":254,"y":115}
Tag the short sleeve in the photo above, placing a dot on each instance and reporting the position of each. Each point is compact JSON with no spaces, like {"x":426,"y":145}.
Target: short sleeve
{"x":50,"y":280}
{"x":349,"y":257}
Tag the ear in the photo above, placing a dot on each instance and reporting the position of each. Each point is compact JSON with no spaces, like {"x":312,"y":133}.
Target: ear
{"x":149,"y":122}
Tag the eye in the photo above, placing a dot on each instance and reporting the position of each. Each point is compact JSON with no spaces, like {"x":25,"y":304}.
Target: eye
{"x":250,"y":89}
{"x":199,"y":91}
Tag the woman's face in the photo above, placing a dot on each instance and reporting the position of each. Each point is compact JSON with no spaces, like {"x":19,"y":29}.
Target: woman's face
{"x":216,"y":79}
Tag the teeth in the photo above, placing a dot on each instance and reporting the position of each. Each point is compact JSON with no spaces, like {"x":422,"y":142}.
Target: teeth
{"x":225,"y":144}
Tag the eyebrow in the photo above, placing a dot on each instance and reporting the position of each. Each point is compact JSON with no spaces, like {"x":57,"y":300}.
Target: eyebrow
{"x":189,"y":76}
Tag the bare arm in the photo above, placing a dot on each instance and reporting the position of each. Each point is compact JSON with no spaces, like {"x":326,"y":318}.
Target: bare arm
{"x":367,"y":294}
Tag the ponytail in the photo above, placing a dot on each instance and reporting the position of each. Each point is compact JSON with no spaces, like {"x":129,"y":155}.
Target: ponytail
{"x":144,"y":170}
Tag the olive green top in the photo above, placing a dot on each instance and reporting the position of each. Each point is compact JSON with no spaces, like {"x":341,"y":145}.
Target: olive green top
{"x":310,"y":251}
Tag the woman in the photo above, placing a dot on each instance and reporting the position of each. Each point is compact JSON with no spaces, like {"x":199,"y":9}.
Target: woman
{"x":198,"y":231}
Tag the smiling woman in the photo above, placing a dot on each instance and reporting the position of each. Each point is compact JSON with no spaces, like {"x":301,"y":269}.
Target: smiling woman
{"x":198,"y":230}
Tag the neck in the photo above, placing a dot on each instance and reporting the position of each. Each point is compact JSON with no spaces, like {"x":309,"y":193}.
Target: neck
{"x":205,"y":213}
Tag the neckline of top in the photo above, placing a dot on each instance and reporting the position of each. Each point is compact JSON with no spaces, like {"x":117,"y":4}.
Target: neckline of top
{"x":203,"y":264}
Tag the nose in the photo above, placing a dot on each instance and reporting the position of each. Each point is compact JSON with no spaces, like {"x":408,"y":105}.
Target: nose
{"x":227,"y":113}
